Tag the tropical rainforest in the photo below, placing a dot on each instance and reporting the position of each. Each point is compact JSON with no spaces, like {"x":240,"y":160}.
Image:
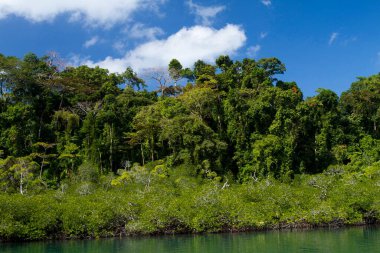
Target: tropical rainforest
{"x":229,"y":146}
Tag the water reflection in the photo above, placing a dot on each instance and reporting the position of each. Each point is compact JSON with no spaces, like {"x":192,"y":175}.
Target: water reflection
{"x":360,"y":239}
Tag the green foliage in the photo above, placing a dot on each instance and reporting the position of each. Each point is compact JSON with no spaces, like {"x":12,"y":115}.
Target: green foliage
{"x":235,"y":149}
{"x":360,"y":106}
{"x":28,"y":218}
{"x":188,"y":205}
{"x":175,"y":70}
{"x":221,"y":122}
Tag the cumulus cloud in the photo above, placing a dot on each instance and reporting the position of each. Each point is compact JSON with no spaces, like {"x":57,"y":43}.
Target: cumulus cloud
{"x":92,"y":12}
{"x":266,"y":2}
{"x":187,"y":45}
{"x":253,"y":51}
{"x":205,"y":14}
{"x":91,"y":42}
{"x":333,"y":38}
{"x":140,"y":31}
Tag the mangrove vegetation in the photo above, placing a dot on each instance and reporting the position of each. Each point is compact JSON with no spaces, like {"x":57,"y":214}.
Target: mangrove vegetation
{"x":227,"y":146}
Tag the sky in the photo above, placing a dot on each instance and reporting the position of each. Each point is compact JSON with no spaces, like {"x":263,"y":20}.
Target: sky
{"x":323,"y":43}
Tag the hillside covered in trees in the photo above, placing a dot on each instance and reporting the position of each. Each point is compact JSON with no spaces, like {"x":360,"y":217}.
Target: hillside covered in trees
{"x":229,"y":146}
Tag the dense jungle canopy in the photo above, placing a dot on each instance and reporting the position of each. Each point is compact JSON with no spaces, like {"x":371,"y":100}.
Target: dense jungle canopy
{"x":87,"y":153}
{"x":232,"y":119}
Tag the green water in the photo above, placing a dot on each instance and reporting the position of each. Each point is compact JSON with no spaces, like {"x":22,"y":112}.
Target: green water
{"x":360,"y":240}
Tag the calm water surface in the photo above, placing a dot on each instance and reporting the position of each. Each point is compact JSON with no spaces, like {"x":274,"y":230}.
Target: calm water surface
{"x":358,"y":240}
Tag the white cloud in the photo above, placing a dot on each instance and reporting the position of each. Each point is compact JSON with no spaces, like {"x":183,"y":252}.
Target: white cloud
{"x":91,"y":42}
{"x":263,"y":35}
{"x":140,"y":31}
{"x":377,"y":59}
{"x":119,"y":46}
{"x":266,"y":2}
{"x":92,"y":12}
{"x":187,"y":45}
{"x":205,"y":15}
{"x":75,"y":60}
{"x":349,"y":40}
{"x":253,"y":51}
{"x":333,"y":37}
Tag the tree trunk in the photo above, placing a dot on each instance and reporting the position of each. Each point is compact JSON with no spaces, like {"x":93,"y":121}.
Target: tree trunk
{"x":111,"y":146}
{"x":41,"y":124}
{"x":100,"y":161}
{"x":42,"y":166}
{"x":152,"y":152}
{"x":60,"y":102}
{"x":142,"y":154}
{"x":21,"y":182}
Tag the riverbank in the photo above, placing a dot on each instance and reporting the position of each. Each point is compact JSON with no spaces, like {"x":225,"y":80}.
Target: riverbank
{"x":186,"y":205}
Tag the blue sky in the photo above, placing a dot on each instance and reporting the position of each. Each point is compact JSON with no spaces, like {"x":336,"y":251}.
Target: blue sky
{"x":323,"y":43}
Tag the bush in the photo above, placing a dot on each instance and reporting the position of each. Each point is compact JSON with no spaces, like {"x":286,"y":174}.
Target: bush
{"x":178,"y":203}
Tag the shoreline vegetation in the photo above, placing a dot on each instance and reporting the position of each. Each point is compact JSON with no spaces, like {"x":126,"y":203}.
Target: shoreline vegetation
{"x":190,"y":206}
{"x":85,"y":153}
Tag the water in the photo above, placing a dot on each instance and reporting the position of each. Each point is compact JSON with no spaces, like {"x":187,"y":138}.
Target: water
{"x":358,"y":240}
